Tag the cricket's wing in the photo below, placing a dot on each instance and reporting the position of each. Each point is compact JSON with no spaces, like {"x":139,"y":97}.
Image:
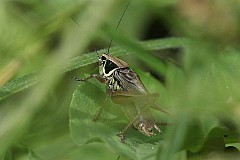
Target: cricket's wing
{"x":130,"y":81}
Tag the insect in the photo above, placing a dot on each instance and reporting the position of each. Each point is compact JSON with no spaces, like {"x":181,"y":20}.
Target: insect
{"x":125,"y":88}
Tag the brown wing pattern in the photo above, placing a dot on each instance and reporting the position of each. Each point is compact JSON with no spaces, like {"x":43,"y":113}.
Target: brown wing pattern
{"x":130,"y":81}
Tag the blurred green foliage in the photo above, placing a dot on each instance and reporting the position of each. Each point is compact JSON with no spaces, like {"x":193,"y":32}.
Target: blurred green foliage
{"x":44,"y":43}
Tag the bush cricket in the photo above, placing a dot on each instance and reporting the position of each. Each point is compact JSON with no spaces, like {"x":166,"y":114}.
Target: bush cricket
{"x":125,"y":88}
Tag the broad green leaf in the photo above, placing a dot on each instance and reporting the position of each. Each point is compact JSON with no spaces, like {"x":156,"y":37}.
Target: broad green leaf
{"x":85,"y":103}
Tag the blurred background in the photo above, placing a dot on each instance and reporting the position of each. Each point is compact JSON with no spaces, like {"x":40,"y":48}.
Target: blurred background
{"x":43,"y":43}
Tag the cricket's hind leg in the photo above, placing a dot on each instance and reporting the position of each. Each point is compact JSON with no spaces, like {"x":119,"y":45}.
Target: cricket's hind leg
{"x":141,"y":119}
{"x":137,"y":110}
{"x":146,"y":123}
{"x":144,"y":126}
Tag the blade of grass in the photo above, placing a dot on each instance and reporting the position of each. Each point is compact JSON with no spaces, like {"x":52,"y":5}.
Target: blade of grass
{"x":26,"y":81}
{"x":142,"y":51}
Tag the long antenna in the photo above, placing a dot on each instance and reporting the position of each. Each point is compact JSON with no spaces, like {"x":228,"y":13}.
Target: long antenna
{"x":110,"y":43}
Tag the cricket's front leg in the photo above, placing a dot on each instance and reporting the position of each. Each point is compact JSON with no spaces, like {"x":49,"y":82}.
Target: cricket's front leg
{"x":98,"y":77}
{"x":101,"y":80}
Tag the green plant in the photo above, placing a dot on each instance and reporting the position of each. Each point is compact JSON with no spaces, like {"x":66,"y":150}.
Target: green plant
{"x":39,"y":43}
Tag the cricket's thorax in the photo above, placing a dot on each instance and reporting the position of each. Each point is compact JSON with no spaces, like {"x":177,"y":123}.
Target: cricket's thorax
{"x":119,"y":76}
{"x":109,"y":66}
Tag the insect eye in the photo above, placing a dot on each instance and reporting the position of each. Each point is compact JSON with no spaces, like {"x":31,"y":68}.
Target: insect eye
{"x":103,"y":58}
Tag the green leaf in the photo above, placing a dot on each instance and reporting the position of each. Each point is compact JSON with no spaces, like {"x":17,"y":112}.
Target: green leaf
{"x":86,"y":101}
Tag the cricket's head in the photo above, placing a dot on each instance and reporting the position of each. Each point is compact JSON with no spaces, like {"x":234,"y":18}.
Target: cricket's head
{"x":147,"y":128}
{"x":108,"y":64}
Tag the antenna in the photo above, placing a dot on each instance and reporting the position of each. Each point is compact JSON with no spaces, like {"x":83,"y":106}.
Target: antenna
{"x":110,"y":43}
